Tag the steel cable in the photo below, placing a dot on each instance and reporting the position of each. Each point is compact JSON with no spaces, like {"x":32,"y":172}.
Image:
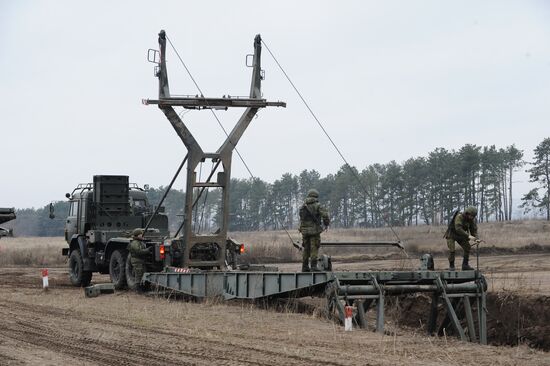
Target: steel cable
{"x":202,"y":96}
{"x":355,"y":175}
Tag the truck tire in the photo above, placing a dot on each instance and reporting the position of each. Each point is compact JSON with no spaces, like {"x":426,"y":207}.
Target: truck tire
{"x":133,"y":282}
{"x":130,"y":277}
{"x":77,"y":274}
{"x":117,"y":269}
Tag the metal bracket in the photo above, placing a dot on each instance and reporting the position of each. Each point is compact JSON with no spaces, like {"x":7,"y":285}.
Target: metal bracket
{"x":249,"y":61}
{"x":153,"y":56}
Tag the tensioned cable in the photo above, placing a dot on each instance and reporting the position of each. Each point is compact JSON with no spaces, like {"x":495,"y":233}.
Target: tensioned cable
{"x":220,"y":124}
{"x":211,"y":110}
{"x":330,"y":139}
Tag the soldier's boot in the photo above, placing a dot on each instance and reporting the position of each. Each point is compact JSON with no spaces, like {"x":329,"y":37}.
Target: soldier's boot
{"x":465,"y":265}
{"x":451,"y":261}
{"x":451,"y":265}
{"x":314,"y":267}
{"x":305,"y":266}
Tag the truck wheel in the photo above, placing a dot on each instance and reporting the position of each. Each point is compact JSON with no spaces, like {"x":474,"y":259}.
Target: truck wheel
{"x":77,"y":274}
{"x":117,"y":269}
{"x":129,"y":272}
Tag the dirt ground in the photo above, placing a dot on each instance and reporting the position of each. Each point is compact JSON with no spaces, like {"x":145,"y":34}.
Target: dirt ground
{"x":62,"y":326}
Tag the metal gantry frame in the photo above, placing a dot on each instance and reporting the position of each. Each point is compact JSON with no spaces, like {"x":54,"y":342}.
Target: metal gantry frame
{"x":221,"y":159}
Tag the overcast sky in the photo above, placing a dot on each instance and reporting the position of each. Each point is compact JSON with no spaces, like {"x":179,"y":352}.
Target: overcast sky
{"x":389,"y":80}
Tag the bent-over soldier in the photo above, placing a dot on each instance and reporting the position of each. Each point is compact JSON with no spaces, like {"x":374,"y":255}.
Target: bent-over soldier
{"x":462,"y":229}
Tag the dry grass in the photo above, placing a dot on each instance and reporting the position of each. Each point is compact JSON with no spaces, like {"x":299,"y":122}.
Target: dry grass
{"x":32,"y":251}
{"x":275,"y":246}
{"x":527,"y":236}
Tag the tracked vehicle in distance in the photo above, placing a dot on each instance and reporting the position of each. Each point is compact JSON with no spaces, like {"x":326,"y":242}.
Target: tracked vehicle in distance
{"x":6,"y":214}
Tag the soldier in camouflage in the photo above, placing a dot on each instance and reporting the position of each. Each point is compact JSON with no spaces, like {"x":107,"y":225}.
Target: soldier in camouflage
{"x":313,"y":217}
{"x":138,"y":254}
{"x":463,"y":230}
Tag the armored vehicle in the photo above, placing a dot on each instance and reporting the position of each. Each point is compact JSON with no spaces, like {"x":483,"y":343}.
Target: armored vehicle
{"x":6,"y":214}
{"x":101,"y":217}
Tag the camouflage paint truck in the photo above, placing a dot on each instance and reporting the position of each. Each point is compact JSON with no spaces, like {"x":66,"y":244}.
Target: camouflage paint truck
{"x":101,"y":217}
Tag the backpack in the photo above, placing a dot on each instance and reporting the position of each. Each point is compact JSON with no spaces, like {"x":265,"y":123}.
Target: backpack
{"x":305,"y":214}
{"x":450,"y":225}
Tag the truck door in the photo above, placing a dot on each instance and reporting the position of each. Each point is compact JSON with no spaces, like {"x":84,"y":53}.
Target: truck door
{"x":71,"y":225}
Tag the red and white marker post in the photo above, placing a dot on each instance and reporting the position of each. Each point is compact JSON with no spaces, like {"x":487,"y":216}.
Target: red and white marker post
{"x":348,"y":324}
{"x":45,"y":283}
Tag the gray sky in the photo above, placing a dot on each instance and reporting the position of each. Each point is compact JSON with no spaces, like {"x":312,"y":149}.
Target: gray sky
{"x":389,"y":80}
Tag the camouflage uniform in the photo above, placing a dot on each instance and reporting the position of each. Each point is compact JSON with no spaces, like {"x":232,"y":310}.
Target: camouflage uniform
{"x":139,"y":253}
{"x":460,"y":229}
{"x":312,"y":217}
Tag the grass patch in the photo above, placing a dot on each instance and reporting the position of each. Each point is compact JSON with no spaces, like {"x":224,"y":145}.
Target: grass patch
{"x":514,"y":237}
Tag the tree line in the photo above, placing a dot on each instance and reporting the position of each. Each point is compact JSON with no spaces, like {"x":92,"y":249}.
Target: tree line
{"x":419,"y":191}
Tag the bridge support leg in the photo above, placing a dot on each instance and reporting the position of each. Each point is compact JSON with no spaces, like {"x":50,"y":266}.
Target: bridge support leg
{"x":450,"y":310}
{"x":432,"y":320}
{"x":469,"y":318}
{"x":379,"y":307}
{"x":361,"y":315}
{"x":482,"y":310}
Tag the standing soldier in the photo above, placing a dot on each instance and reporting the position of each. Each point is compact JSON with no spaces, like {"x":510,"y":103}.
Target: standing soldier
{"x":313,"y":217}
{"x":462,"y":229}
{"x":139,"y":253}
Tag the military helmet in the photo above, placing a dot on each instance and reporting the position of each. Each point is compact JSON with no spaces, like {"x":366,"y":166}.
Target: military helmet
{"x":313,"y":193}
{"x":471,"y":210}
{"x":137,"y":232}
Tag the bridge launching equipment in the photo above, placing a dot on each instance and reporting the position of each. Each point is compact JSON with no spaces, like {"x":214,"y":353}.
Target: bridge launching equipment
{"x":364,"y":290}
{"x":207,"y":268}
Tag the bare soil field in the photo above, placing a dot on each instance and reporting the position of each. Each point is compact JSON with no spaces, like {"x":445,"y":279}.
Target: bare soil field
{"x":62,"y":326}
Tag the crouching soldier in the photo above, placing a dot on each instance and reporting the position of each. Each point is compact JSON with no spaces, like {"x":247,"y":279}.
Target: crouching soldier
{"x":313,"y":217}
{"x":463,"y":230}
{"x":138,"y":256}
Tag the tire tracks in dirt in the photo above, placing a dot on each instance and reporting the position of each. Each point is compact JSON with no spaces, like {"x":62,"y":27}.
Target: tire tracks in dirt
{"x":58,"y":332}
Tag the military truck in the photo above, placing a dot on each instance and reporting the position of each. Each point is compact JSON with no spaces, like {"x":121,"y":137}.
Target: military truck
{"x":101,"y":217}
{"x":6,"y":214}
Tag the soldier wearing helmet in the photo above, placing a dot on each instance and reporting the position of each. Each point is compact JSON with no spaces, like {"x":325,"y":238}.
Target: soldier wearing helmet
{"x":463,"y":230}
{"x":138,"y":255}
{"x":313,"y":220}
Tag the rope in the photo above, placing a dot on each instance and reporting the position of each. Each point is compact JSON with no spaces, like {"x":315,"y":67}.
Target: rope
{"x":355,"y":175}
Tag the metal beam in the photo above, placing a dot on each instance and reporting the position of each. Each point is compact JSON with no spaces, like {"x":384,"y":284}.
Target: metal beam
{"x":365,"y":244}
{"x":469,"y":318}
{"x":405,"y":289}
{"x":215,"y":103}
{"x":483,"y":319}
{"x":451,"y":310}
{"x":361,"y":315}
{"x":379,"y":307}
{"x":253,"y":285}
{"x":432,"y":320}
